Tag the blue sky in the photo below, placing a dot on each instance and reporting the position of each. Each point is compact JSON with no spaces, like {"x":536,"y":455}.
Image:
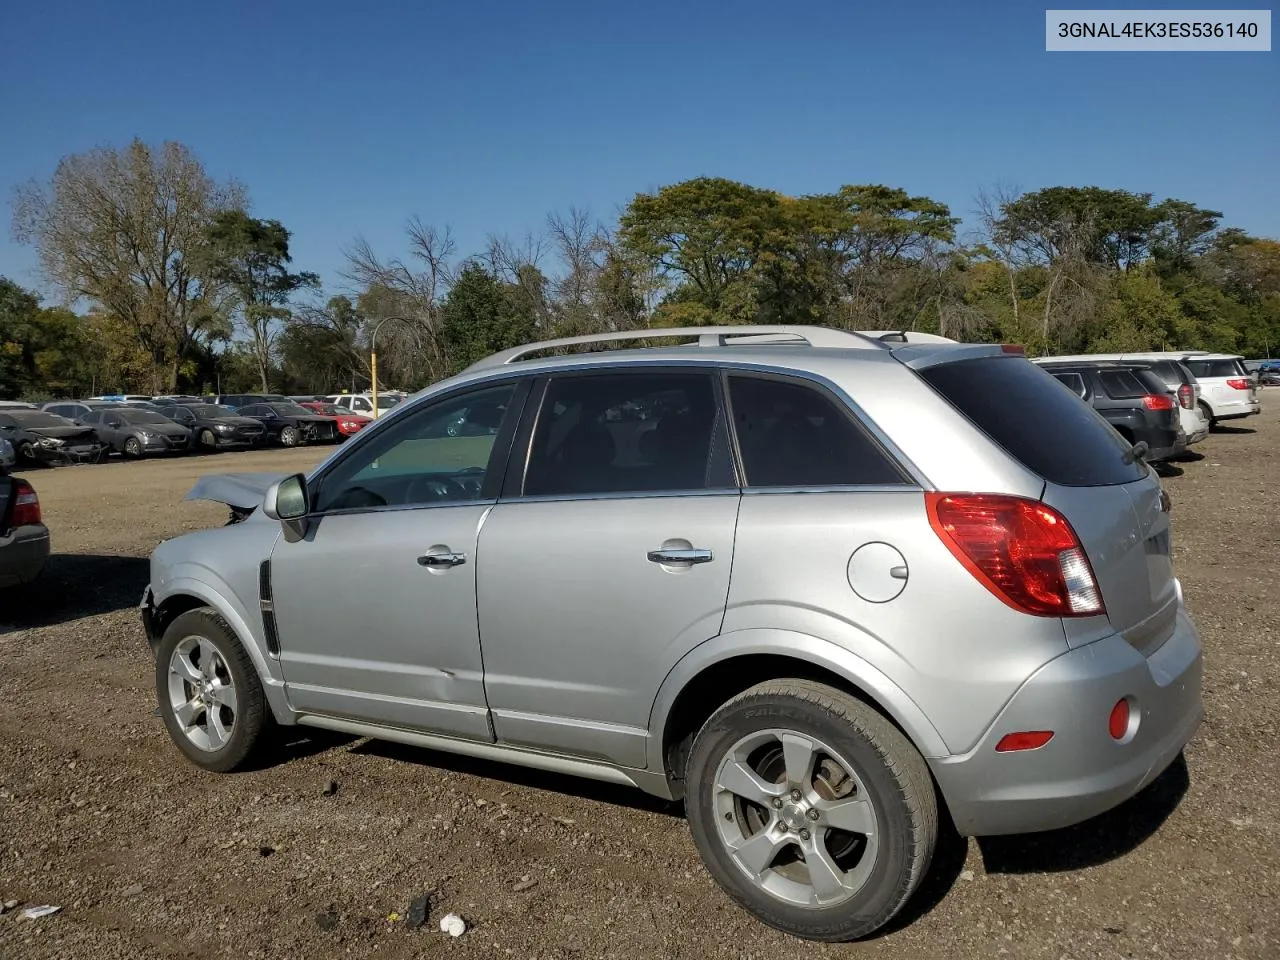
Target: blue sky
{"x":348,"y":118}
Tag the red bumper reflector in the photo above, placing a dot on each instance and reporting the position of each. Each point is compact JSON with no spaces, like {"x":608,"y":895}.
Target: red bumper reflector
{"x":1118,"y":723}
{"x":1028,"y":740}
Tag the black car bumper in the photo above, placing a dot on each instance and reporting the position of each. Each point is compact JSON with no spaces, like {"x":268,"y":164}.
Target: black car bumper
{"x":65,"y":455}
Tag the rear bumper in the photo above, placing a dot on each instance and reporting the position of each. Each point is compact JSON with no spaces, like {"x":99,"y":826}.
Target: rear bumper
{"x":22,"y":555}
{"x":1082,"y":771}
{"x":1235,"y":409}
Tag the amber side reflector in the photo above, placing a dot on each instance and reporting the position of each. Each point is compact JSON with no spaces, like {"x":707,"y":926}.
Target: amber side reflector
{"x":1028,"y":740}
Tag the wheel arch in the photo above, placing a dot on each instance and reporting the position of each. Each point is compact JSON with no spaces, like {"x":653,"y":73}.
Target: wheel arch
{"x":719,"y":669}
{"x":183,"y":594}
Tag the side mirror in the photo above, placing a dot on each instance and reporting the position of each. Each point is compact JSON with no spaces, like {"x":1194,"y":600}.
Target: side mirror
{"x":286,"y":501}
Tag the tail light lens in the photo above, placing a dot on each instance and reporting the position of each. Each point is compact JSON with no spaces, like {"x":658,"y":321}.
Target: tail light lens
{"x":1023,"y":551}
{"x":1187,"y":396}
{"x":1158,"y":401}
{"x":1238,"y":383}
{"x":26,"y":505}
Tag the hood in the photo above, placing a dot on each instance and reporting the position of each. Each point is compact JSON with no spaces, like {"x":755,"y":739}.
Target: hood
{"x":244,"y":490}
{"x":64,"y":433}
{"x":166,"y":429}
{"x":236,"y":421}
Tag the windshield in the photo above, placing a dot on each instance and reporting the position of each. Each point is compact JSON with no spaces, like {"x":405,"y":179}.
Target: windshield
{"x":208,"y":410}
{"x":331,"y":410}
{"x":290,"y":410}
{"x":37,"y":418}
{"x":142,"y":416}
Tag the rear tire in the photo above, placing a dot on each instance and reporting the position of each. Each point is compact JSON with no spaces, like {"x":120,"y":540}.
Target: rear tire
{"x":1208,"y":414}
{"x":289,"y":437}
{"x":810,"y":809}
{"x":209,"y":694}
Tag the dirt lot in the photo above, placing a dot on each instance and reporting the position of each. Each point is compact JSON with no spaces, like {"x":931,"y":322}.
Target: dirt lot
{"x":148,"y":857}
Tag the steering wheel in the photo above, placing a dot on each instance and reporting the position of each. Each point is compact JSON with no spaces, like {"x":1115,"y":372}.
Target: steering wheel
{"x":427,"y":488}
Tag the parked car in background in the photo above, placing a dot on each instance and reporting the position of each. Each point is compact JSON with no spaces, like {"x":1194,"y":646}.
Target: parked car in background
{"x":237,"y":400}
{"x":77,"y":409}
{"x":362,"y":403}
{"x":8,"y":456}
{"x":1228,"y":390}
{"x":289,"y":424}
{"x":24,"y":539}
{"x":176,"y":398}
{"x":138,"y":433}
{"x":743,"y":572}
{"x":1130,"y":397}
{"x":123,"y":397}
{"x":349,"y":424}
{"x":213,"y":426}
{"x":1176,"y":376}
{"x":17,"y":405}
{"x":40,"y":437}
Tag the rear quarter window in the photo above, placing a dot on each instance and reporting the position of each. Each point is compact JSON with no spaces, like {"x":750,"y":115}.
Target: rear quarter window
{"x":1124,"y":384}
{"x":1044,"y":427}
{"x":1216,"y":368}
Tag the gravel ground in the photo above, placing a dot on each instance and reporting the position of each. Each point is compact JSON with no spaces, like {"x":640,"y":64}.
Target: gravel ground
{"x":149,"y":857}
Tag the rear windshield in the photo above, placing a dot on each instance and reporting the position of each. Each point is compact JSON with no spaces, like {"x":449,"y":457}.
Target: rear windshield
{"x":1049,"y":430}
{"x":1124,"y":384}
{"x":1215,"y":368}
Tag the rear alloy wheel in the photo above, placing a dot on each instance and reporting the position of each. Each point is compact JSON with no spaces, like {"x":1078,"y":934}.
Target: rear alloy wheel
{"x":289,"y":437}
{"x":132,"y":448}
{"x":810,"y":809}
{"x":209,"y":694}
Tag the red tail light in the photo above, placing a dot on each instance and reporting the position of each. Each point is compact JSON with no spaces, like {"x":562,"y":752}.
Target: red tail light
{"x":1158,"y":401}
{"x":26,"y":505}
{"x":1239,"y":383}
{"x":1029,"y":740}
{"x":1023,"y":551}
{"x":1187,"y":397}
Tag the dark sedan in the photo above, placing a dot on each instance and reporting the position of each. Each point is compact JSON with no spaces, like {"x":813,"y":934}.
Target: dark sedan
{"x":213,"y":426}
{"x":41,"y":437}
{"x":290,"y":424}
{"x":138,"y":433}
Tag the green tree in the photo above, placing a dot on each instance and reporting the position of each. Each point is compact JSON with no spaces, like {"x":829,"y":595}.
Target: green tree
{"x":119,"y":228}
{"x":481,"y":315}
{"x":251,"y":257}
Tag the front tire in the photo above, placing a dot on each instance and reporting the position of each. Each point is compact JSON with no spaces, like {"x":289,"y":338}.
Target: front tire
{"x":289,"y":437}
{"x":208,"y":440}
{"x":133,"y":449}
{"x":209,"y":694}
{"x":810,"y":809}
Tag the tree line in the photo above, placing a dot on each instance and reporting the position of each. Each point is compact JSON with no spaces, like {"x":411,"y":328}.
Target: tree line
{"x":165,"y":281}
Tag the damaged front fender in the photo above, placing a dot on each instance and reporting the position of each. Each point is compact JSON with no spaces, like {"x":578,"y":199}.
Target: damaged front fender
{"x":240,"y":491}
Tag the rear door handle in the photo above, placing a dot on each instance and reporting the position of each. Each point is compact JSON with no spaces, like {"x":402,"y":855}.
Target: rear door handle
{"x":688,"y":555}
{"x":442,"y":559}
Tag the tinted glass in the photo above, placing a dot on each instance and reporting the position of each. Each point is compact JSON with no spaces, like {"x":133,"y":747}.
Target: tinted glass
{"x":1167,"y":370}
{"x":288,"y":409}
{"x":628,"y":433}
{"x":792,"y":435}
{"x":1124,"y":384}
{"x":90,"y":416}
{"x":1215,"y":368}
{"x":208,"y":410}
{"x":1045,"y":428}
{"x":1073,"y":381}
{"x":439,"y":454}
{"x":142,"y":416}
{"x":254,"y":410}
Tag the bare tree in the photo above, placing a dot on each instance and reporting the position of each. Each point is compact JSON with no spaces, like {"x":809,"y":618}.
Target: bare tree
{"x":118,"y":228}
{"x":990,"y":217}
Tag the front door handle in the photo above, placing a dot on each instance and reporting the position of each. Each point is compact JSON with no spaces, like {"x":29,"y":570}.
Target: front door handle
{"x":438,"y":560}
{"x":688,"y":555}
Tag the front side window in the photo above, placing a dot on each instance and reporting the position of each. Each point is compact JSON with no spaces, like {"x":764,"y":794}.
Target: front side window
{"x":792,"y":435}
{"x":629,"y":433}
{"x":438,"y":454}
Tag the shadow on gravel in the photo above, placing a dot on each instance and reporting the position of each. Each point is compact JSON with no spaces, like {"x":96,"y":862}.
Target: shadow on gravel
{"x":74,"y":586}
{"x":1166,"y":469}
{"x":1191,"y":456}
{"x":614,"y":794}
{"x":1220,"y":428}
{"x":1103,"y":838}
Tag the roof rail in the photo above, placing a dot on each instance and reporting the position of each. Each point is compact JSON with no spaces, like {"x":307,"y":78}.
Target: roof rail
{"x":707,"y":337}
{"x":906,"y":336}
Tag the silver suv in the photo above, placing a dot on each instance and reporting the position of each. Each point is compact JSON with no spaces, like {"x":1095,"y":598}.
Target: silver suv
{"x":825,"y":587}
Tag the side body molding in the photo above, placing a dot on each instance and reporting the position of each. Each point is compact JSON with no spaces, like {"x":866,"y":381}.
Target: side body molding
{"x":797,"y":646}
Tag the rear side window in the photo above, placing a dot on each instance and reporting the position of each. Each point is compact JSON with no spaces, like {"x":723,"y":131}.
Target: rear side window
{"x":1124,"y":384}
{"x":1042,"y":426}
{"x":792,"y":435}
{"x":1072,"y":381}
{"x":1215,"y":368}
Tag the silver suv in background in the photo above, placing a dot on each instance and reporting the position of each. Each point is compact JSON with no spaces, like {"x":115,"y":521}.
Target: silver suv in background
{"x":827,"y":588}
